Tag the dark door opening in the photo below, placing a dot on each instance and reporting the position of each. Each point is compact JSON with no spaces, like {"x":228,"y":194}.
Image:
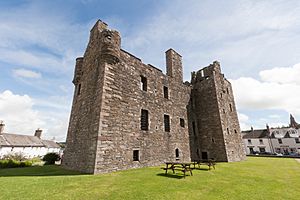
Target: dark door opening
{"x":204,"y":155}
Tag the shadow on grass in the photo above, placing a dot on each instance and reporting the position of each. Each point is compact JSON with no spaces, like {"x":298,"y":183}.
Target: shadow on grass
{"x":172,"y":175}
{"x":203,"y":169}
{"x":46,"y":170}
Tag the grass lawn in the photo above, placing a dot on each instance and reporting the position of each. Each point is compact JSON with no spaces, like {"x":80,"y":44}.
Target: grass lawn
{"x":256,"y":178}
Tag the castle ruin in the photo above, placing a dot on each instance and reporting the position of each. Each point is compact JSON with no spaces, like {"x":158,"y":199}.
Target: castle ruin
{"x":127,"y":114}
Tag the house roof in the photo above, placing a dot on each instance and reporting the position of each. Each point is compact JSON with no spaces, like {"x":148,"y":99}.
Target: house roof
{"x":251,"y":134}
{"x":15,"y":140}
{"x":50,"y":144}
{"x":284,"y":133}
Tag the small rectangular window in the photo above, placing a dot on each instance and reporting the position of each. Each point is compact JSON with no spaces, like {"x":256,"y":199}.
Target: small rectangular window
{"x":78,"y":89}
{"x":228,"y":132}
{"x":249,"y":141}
{"x":194,"y":128}
{"x":143,"y":83}
{"x":136,"y":155}
{"x":181,"y":122}
{"x":280,"y":141}
{"x":202,"y":73}
{"x":177,"y":153}
{"x":144,"y":120}
{"x":166,"y":92}
{"x":297,"y":140}
{"x":167,"y":123}
{"x":230,"y":106}
{"x":262,"y":149}
{"x":261,"y":141}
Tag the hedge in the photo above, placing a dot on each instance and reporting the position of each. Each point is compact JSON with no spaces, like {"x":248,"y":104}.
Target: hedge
{"x":14,"y":163}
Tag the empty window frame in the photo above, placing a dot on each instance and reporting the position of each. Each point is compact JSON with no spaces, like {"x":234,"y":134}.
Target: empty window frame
{"x":262,"y":149}
{"x":280,"y":141}
{"x":78,"y":89}
{"x":143,"y":83}
{"x":194,"y":128}
{"x":144,"y":120}
{"x":181,"y":122}
{"x":167,"y":123}
{"x":166,"y":92}
{"x":136,"y":156}
{"x":177,"y":153}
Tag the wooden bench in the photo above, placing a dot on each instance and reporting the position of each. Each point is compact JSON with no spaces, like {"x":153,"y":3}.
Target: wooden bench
{"x":183,"y":167}
{"x":210,"y":163}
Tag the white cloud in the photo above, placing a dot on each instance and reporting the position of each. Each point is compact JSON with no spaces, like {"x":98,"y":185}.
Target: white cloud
{"x":50,"y":43}
{"x":20,"y":116}
{"x":244,"y":120}
{"x":25,"y":73}
{"x":269,"y":93}
{"x":274,"y":116}
{"x":282,"y":75}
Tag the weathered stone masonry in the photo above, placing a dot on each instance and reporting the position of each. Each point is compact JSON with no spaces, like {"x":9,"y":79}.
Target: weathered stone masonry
{"x":127,"y":114}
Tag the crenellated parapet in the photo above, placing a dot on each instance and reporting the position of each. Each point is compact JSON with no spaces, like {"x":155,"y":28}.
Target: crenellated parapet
{"x":206,"y":73}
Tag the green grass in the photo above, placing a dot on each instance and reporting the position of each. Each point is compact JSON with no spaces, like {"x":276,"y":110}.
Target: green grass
{"x":256,"y":178}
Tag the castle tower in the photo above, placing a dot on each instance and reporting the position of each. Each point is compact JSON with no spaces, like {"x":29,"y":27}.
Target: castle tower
{"x":89,"y":80}
{"x":213,"y":121}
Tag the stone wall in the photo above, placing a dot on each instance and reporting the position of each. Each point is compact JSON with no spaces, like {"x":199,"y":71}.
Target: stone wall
{"x":105,"y":121}
{"x":105,"y":131}
{"x":212,"y":110}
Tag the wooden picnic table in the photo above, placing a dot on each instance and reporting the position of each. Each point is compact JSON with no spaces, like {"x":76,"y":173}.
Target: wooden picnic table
{"x":181,"y":166}
{"x":209,"y":162}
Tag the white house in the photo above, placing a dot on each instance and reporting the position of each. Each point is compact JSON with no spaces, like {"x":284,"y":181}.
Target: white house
{"x":28,"y":146}
{"x":285,"y":140}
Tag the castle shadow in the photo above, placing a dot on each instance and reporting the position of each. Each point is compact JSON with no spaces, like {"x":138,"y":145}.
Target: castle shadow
{"x":171,"y":175}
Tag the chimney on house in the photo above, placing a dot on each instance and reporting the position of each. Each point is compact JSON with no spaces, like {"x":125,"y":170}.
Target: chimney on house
{"x":268,"y":128}
{"x":1,"y":127}
{"x":38,"y":133}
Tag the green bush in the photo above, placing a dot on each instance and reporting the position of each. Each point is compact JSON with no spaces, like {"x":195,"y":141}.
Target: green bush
{"x":50,"y":158}
{"x":14,"y":163}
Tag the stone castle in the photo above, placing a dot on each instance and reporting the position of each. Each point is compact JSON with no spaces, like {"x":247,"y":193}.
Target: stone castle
{"x":127,"y":114}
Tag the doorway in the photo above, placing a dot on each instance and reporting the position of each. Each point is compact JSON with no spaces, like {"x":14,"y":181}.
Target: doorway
{"x":204,"y":155}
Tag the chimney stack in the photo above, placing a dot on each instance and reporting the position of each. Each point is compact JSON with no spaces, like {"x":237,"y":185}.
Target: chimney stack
{"x":1,"y":127}
{"x":38,"y":133}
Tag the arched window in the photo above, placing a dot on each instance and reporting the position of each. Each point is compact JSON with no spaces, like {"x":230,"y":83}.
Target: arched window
{"x":177,"y":153}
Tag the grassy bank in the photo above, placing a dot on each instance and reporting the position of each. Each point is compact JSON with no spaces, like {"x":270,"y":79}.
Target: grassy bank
{"x":256,"y":178}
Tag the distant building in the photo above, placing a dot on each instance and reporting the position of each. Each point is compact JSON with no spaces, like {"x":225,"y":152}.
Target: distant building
{"x":28,"y":146}
{"x":285,"y":140}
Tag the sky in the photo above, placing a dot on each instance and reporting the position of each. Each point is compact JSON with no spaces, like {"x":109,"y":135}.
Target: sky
{"x":256,"y":42}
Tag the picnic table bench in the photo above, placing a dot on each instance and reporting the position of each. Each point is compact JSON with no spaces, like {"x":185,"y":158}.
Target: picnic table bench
{"x":179,"y":166}
{"x":209,"y":162}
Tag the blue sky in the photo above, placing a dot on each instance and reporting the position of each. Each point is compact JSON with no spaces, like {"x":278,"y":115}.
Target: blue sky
{"x":257,"y":43}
